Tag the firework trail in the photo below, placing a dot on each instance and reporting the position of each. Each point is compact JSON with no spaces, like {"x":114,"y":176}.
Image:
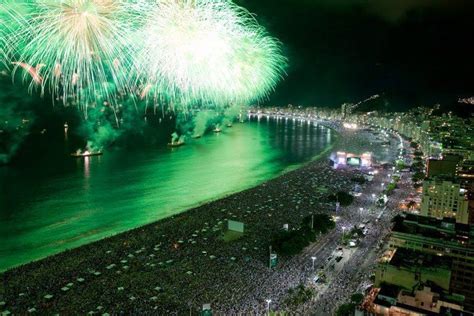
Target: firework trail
{"x":33,"y":71}
{"x":82,"y":45}
{"x":207,"y":51}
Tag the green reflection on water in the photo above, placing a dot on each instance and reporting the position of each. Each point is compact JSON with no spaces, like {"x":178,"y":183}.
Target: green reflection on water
{"x":46,"y":212}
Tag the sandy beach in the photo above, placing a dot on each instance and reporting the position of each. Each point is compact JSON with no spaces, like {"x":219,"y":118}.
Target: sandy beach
{"x":175,"y":265}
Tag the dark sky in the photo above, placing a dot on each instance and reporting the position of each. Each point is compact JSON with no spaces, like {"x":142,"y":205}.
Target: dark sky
{"x":413,"y":52}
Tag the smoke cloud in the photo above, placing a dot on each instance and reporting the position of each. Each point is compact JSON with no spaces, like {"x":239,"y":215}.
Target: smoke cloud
{"x":16,"y":119}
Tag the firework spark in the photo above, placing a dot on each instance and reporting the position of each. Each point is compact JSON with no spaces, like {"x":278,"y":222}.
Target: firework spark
{"x":181,"y":52}
{"x":208,"y":51}
{"x":82,"y":45}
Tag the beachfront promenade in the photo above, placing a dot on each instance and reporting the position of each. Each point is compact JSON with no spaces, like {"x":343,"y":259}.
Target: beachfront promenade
{"x":177,"y":264}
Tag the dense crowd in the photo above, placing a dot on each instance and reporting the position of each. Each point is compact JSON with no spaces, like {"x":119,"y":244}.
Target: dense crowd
{"x":177,"y":264}
{"x":354,"y":272}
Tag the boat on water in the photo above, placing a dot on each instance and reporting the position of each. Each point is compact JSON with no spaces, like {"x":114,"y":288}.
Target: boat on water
{"x":176,"y":143}
{"x":217,"y":130}
{"x":86,"y":153}
{"x":229,"y":125}
{"x":196,"y":136}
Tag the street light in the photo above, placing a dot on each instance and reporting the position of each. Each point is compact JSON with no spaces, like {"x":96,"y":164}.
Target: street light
{"x":268,"y":305}
{"x":313,"y":258}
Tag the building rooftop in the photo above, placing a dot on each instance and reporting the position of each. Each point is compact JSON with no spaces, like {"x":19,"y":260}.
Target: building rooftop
{"x":407,"y":258}
{"x":393,"y":291}
{"x":444,"y":229}
{"x":440,"y":178}
{"x":390,"y":290}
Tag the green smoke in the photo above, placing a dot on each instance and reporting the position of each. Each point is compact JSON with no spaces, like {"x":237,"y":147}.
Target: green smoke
{"x":106,"y":122}
{"x":233,"y":112}
{"x":16,"y":119}
{"x":203,"y":120}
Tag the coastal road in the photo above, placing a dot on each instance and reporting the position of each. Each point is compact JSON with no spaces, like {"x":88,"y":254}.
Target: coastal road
{"x":355,"y":274}
{"x":350,"y":275}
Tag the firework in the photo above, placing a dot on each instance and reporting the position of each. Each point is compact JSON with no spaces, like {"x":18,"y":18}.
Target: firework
{"x":7,"y":25}
{"x":257,"y":66}
{"x":207,"y":51}
{"x":74,"y":48}
{"x":180,"y":52}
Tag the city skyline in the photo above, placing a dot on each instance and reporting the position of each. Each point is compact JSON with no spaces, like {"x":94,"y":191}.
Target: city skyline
{"x":412,"y":52}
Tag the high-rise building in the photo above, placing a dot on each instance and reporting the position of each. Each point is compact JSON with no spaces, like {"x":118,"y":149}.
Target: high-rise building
{"x":443,"y":167}
{"x":465,"y":170}
{"x":422,"y":300}
{"x":407,"y":268}
{"x":444,"y":198}
{"x":441,"y":238}
{"x":465,"y":174}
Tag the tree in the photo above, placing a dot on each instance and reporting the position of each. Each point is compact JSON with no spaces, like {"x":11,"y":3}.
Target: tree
{"x":358,"y":179}
{"x":400,"y":164}
{"x":293,"y":242}
{"x":346,"y":309}
{"x":417,"y":165}
{"x":417,"y":185}
{"x":390,"y":187}
{"x":357,"y":231}
{"x":320,"y":223}
{"x":299,"y":295}
{"x":342,"y":197}
{"x":418,"y":176}
{"x":357,"y":298}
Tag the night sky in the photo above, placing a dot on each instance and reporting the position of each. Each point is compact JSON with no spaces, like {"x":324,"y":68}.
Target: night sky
{"x":411,"y":52}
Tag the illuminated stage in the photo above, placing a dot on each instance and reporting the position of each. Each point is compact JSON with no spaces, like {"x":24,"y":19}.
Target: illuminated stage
{"x":343,"y":159}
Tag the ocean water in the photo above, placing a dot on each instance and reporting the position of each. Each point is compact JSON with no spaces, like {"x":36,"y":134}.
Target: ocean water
{"x":50,"y":202}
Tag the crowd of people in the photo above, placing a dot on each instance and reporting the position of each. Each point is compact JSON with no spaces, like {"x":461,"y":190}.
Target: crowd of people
{"x":356,"y":273}
{"x":340,"y":282}
{"x":177,"y":264}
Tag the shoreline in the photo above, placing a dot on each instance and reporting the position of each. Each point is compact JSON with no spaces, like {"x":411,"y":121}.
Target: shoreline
{"x":187,"y":208}
{"x":89,"y":262}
